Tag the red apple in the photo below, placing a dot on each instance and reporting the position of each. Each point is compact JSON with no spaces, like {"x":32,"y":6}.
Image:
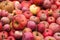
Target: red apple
{"x":35,"y":19}
{"x":54,"y":27}
{"x":47,"y":32}
{"x":28,"y":36}
{"x":41,"y":27}
{"x":57,"y":2}
{"x":46,"y":24}
{"x":49,"y":38}
{"x":1,"y":26}
{"x":38,"y":36}
{"x":56,"y":13}
{"x":5,"y":20}
{"x":57,"y":36}
{"x":6,"y":27}
{"x":51,"y":19}
{"x":31,"y":25}
{"x":27,"y":30}
{"x":10,"y":38}
{"x":27,"y":14}
{"x":19,"y":21}
{"x":42,"y":15}
{"x":58,"y":20}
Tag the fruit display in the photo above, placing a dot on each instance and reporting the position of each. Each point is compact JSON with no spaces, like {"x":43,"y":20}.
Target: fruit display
{"x":29,"y":19}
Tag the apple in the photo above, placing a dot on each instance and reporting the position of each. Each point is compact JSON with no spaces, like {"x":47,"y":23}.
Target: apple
{"x":27,"y":14}
{"x":34,"y":9}
{"x":57,"y":36}
{"x":38,"y":35}
{"x":18,"y":34}
{"x":7,"y":5}
{"x":27,"y":30}
{"x":54,"y":27}
{"x":3,"y":35}
{"x":4,"y":13}
{"x":31,"y":25}
{"x":6,"y":27}
{"x":56,"y":13}
{"x":28,"y":36}
{"x":49,"y":38}
{"x":47,"y":3}
{"x":57,"y":2}
{"x":19,"y":22}
{"x":51,"y":19}
{"x":41,"y":27}
{"x":42,"y":15}
{"x":35,"y":19}
{"x":10,"y":38}
{"x":54,"y":7}
{"x":46,"y":24}
{"x":47,"y":32}
{"x":58,"y":20}
{"x":5,"y":20}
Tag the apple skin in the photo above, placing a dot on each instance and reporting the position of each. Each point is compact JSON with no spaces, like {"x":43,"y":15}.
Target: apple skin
{"x":34,"y":9}
{"x":5,"y":20}
{"x":46,"y":24}
{"x":35,"y":19}
{"x":10,"y":38}
{"x":28,"y":36}
{"x":47,"y":32}
{"x":41,"y":27}
{"x":27,"y":14}
{"x":57,"y":2}
{"x":57,"y":36}
{"x":19,"y":22}
{"x":37,"y":1}
{"x":3,"y":34}
{"x":42,"y":14}
{"x":1,"y":26}
{"x":54,"y":27}
{"x":31,"y":25}
{"x":51,"y":19}
{"x":49,"y":38}
{"x":54,"y":7}
{"x":27,"y":30}
{"x":6,"y":27}
{"x":58,"y":20}
{"x":38,"y":35}
{"x":56,"y":13}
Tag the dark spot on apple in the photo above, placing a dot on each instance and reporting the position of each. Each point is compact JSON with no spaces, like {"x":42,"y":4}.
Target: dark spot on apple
{"x":10,"y":38}
{"x":58,"y":34}
{"x":50,"y":39}
{"x":16,"y":22}
{"x":46,"y":30}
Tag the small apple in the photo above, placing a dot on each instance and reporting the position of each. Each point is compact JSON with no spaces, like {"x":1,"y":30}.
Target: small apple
{"x":6,"y":27}
{"x":57,"y":36}
{"x":34,"y":9}
{"x":31,"y":24}
{"x":42,"y":15}
{"x":10,"y":38}
{"x":57,"y":2}
{"x":54,"y":27}
{"x":28,"y":36}
{"x":19,"y":22}
{"x":49,"y":38}
{"x":27,"y":14}
{"x":27,"y":30}
{"x":38,"y":36}
{"x":46,"y":24}
{"x":51,"y":19}
{"x":35,"y":19}
{"x":5,"y":20}
{"x":41,"y":27}
{"x":47,"y":32}
{"x":58,"y":20}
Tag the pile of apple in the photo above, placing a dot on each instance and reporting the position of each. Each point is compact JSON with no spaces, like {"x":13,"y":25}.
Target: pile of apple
{"x":29,"y":19}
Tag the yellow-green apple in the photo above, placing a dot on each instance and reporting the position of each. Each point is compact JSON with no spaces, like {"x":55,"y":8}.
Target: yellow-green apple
{"x":34,"y":9}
